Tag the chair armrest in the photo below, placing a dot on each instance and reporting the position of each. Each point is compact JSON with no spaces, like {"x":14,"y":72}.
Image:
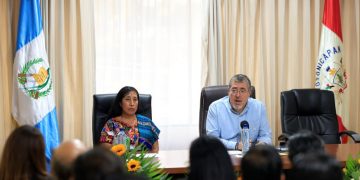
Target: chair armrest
{"x":355,"y":136}
{"x":283,"y":138}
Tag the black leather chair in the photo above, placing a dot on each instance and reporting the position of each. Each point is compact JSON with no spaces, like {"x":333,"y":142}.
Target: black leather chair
{"x":208,"y":95}
{"x":102,"y":105}
{"x":311,"y":109}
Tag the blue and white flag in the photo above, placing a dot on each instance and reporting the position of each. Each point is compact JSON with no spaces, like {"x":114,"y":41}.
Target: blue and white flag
{"x":33,"y":95}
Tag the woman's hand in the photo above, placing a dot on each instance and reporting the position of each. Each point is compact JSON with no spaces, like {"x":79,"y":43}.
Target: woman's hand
{"x":155,"y":147}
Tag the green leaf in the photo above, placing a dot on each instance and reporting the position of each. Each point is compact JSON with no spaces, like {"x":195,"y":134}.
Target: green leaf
{"x":28,"y":64}
{"x":355,"y":174}
{"x":150,"y":166}
{"x":352,"y":168}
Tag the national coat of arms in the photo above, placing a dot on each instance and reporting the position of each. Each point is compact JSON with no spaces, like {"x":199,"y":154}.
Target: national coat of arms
{"x":35,"y":79}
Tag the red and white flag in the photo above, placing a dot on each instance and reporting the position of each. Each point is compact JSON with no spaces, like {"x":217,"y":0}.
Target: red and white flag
{"x":330,"y":73}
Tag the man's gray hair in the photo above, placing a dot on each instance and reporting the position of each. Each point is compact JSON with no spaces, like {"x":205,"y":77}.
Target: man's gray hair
{"x":239,"y":78}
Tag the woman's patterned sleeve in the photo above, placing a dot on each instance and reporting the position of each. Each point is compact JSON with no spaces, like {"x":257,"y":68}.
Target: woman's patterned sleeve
{"x":155,"y":130}
{"x":107,"y":133}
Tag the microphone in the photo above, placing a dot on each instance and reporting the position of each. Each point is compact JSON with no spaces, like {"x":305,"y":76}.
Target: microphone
{"x":245,"y":136}
{"x":244,"y":124}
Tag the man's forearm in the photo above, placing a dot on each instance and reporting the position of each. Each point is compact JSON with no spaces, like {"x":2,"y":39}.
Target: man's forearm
{"x":229,"y":144}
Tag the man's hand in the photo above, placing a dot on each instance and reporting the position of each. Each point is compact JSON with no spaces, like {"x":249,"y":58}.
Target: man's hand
{"x":239,"y":145}
{"x":260,"y":142}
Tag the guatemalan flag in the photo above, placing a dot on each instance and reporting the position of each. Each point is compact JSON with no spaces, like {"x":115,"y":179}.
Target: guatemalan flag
{"x":330,"y":73}
{"x":33,"y":95}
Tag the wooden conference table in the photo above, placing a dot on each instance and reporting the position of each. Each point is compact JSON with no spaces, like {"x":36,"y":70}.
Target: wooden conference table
{"x":176,"y":161}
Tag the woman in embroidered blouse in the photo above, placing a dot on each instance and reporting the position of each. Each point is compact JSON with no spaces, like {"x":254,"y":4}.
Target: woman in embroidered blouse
{"x":139,"y":129}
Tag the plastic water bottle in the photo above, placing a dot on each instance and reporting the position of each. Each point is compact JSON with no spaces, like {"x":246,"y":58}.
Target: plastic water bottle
{"x":121,"y":138}
{"x":245,"y":136}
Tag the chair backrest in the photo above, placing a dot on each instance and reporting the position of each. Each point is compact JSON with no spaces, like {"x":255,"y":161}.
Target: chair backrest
{"x":311,"y":109}
{"x":101,"y":108}
{"x":208,"y":95}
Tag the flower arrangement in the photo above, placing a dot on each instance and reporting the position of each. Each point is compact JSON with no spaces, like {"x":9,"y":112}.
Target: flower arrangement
{"x":139,"y":163}
{"x":352,"y":168}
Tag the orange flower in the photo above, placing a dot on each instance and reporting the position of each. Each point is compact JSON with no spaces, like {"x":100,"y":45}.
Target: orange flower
{"x":119,"y":149}
{"x":133,"y":165}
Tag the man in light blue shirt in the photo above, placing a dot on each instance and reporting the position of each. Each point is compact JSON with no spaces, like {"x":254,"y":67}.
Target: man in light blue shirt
{"x":226,"y":114}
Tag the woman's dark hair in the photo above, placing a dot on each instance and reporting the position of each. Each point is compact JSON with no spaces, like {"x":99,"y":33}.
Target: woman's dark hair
{"x":97,"y":164}
{"x":210,"y":160}
{"x":24,"y":155}
{"x":319,"y":166}
{"x":304,"y":142}
{"x":261,"y":162}
{"x":116,"y":109}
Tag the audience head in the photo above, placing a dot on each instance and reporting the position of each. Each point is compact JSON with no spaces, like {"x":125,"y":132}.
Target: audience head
{"x":316,"y":166}
{"x":127,"y":176}
{"x":98,"y":163}
{"x":116,"y":109}
{"x":261,"y":162}
{"x":23,"y":155}
{"x":64,"y":156}
{"x":209,"y":160}
{"x":239,"y":92}
{"x":304,"y":142}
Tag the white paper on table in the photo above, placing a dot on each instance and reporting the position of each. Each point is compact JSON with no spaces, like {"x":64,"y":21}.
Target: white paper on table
{"x":152,"y":155}
{"x":235,"y":153}
{"x":239,"y":153}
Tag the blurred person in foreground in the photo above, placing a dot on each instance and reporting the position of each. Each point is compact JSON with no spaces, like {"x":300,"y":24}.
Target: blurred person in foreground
{"x":304,"y":142}
{"x":209,"y":160}
{"x":101,"y":164}
{"x":315,"y":166}
{"x":23,"y":156}
{"x":261,"y":162}
{"x":63,"y":158}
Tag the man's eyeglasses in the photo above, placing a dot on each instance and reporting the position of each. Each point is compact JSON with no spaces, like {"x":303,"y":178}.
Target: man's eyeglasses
{"x":236,"y":91}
